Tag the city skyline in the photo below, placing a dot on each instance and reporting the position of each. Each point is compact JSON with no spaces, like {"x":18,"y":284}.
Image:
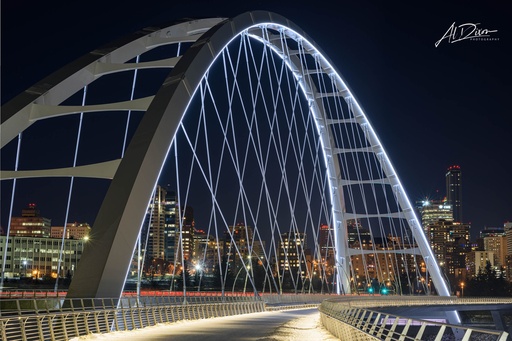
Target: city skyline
{"x":429,"y":105}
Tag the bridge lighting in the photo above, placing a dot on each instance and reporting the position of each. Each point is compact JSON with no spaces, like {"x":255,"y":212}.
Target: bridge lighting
{"x":370,"y":290}
{"x":384,"y":291}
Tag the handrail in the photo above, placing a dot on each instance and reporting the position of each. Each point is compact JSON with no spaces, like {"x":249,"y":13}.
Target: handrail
{"x":348,"y":319}
{"x":65,"y":319}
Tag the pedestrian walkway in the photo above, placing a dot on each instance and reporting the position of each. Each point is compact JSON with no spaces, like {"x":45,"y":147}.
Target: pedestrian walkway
{"x":288,"y":325}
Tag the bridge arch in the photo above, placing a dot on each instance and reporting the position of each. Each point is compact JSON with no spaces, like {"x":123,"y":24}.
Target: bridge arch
{"x":119,"y":220}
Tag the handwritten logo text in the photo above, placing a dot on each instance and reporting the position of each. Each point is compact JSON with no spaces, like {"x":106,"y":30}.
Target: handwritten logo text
{"x":466,"y":31}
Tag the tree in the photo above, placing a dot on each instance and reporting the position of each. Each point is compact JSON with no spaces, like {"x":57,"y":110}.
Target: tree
{"x":488,"y":283}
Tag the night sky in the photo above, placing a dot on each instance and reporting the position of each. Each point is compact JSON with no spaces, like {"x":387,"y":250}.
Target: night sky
{"x":432,"y":107}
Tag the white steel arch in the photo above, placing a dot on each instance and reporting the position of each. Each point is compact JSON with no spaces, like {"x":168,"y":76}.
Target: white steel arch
{"x":119,"y":219}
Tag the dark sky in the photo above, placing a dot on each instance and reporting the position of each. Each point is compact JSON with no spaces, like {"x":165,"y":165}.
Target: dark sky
{"x":432,"y":107}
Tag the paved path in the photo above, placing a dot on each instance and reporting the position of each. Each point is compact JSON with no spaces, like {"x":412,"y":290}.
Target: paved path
{"x":291,"y":325}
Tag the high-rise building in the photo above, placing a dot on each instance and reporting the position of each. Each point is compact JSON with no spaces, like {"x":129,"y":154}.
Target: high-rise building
{"x":356,"y":233}
{"x":171,"y":226}
{"x":326,"y":243}
{"x":184,"y":240}
{"x":450,"y":244}
{"x":30,"y":224}
{"x":507,"y":227}
{"x":431,"y":211}
{"x":206,"y":252}
{"x":156,"y":218}
{"x":238,"y":243}
{"x":291,"y":257}
{"x":454,"y":191}
{"x":495,"y":240}
{"x":166,"y":231}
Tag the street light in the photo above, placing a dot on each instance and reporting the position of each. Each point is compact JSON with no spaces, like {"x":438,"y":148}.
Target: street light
{"x":199,"y":270}
{"x":462,"y":287}
{"x":24,"y":269}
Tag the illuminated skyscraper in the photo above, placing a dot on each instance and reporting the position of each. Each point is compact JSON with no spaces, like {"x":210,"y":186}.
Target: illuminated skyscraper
{"x":164,"y":227}
{"x":325,"y":242}
{"x":454,"y":191}
{"x":185,"y":235}
{"x":507,"y":227}
{"x":432,"y":211}
{"x":156,"y":218}
{"x":495,"y":240}
{"x":450,"y":243}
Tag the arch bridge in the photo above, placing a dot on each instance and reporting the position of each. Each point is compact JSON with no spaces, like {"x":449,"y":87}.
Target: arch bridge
{"x":217,"y":154}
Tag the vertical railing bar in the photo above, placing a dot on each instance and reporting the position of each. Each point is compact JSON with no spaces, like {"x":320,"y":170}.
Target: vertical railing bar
{"x":467,"y":334}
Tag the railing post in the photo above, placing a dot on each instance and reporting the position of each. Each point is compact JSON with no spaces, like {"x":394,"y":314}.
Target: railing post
{"x":132,"y":316}
{"x":173,"y":311}
{"x":62,"y":319}
{"x":366,"y":323}
{"x":420,"y":332}
{"x":158,"y":313}
{"x":139,"y":314}
{"x":440,"y":333}
{"x":74,"y":316}
{"x":374,"y":325}
{"x":115,"y":312}
{"x":405,"y":330}
{"x":40,"y":327}
{"x":95,"y":315}
{"x":382,"y":326}
{"x":391,"y":331}
{"x":361,"y":319}
{"x":3,"y":328}
{"x":467,"y":335}
{"x":23,"y":330}
{"x":123,"y":313}
{"x":503,"y":337}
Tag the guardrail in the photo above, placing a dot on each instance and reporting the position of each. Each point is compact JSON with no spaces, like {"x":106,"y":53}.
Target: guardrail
{"x":28,"y":320}
{"x":31,"y":293}
{"x":10,"y":293}
{"x":348,"y":320}
{"x":347,"y":317}
{"x":409,"y":301}
{"x":295,"y":298}
{"x":62,"y":319}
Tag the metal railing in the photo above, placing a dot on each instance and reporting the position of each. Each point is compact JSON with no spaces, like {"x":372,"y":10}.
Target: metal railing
{"x":44,"y":317}
{"x":31,"y":293}
{"x":295,"y":298}
{"x":348,"y":320}
{"x":14,"y":293}
{"x":410,"y":301}
{"x":55,"y":319}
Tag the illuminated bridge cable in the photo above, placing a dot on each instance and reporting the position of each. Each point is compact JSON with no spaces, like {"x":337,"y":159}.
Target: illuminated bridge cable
{"x":6,"y":245}
{"x":70,"y":191}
